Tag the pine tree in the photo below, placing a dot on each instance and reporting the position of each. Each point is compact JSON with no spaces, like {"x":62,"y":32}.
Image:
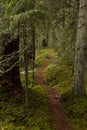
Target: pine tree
{"x":80,"y":51}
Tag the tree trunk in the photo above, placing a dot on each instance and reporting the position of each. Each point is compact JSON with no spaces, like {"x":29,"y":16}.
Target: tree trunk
{"x":10,"y":80}
{"x":80,"y":51}
{"x":33,"y":53}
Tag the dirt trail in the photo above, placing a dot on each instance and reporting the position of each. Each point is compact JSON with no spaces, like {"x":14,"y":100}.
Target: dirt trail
{"x":55,"y":105}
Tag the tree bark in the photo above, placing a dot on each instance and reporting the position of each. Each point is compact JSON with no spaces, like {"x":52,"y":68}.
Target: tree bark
{"x":80,"y":51}
{"x":10,"y":81}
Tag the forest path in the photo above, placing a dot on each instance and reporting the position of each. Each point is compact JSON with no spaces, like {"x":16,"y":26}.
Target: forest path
{"x":54,"y":102}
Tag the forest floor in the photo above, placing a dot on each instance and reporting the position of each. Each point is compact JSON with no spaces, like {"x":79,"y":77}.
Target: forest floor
{"x":54,"y":99}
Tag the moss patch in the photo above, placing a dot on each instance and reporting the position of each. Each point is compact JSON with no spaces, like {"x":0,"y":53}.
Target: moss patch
{"x":76,"y":110}
{"x":15,"y":116}
{"x":44,"y":54}
{"x":60,"y":75}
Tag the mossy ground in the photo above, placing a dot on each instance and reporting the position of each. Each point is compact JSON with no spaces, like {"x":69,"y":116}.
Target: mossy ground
{"x":14,"y":116}
{"x":44,"y":54}
{"x":60,"y":75}
{"x":76,"y":110}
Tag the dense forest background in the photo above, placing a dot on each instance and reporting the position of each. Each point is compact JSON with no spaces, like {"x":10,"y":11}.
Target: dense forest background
{"x":43,"y":46}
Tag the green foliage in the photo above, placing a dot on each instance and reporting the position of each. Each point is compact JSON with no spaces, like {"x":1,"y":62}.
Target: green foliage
{"x":43,"y":55}
{"x":60,"y":75}
{"x":76,"y":110}
{"x":51,"y":75}
{"x":39,"y":62}
{"x":14,"y":116}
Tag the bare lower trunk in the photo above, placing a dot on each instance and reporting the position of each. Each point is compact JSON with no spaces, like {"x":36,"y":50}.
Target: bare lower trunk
{"x":10,"y":81}
{"x":80,"y":51}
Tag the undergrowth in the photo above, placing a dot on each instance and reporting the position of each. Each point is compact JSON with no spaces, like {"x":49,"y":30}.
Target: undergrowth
{"x":60,"y":75}
{"x":76,"y":110}
{"x":15,"y":116}
{"x":44,"y":54}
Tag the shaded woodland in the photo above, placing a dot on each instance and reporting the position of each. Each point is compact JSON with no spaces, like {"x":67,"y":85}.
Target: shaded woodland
{"x":43,"y":59}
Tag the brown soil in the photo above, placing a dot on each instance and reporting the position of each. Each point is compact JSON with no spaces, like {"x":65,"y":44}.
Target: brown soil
{"x":54,"y":102}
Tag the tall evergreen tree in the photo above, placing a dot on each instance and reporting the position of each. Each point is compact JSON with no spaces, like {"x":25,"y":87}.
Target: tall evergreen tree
{"x":80,"y":51}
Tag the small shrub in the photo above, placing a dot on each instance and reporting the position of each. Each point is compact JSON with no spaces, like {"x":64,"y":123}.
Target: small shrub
{"x":58,"y":75}
{"x":39,"y":61}
{"x":51,"y":73}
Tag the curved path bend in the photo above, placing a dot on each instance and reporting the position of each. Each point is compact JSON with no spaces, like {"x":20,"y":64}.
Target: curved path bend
{"x":54,"y":102}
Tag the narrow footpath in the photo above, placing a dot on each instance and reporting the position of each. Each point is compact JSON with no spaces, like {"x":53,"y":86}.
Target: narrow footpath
{"x":54,"y":102}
